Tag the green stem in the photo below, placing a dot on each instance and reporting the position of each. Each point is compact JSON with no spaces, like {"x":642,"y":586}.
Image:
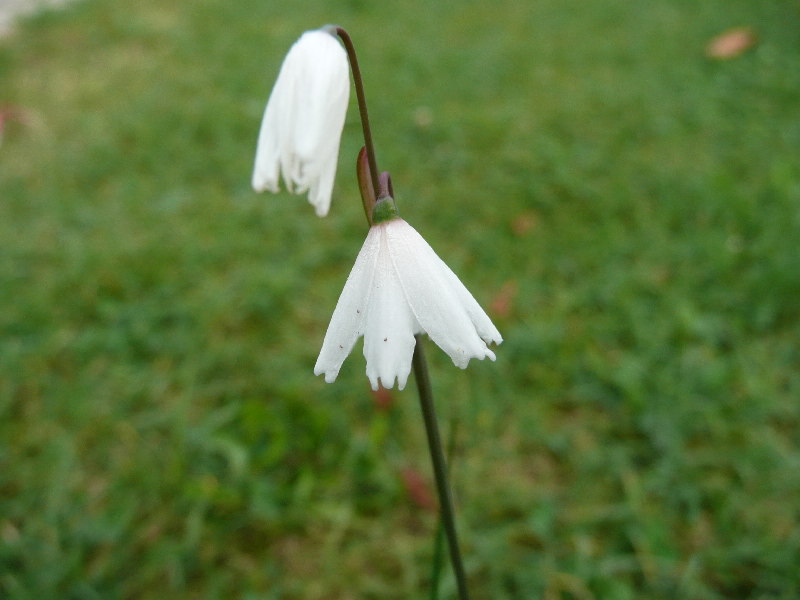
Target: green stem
{"x":438,"y":545}
{"x":436,"y":567}
{"x":439,"y":466}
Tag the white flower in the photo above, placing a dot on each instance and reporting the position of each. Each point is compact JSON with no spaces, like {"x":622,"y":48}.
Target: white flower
{"x":303,"y":121}
{"x":399,"y":287}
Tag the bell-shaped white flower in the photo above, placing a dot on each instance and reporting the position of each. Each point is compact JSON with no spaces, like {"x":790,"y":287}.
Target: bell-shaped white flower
{"x":303,"y":120}
{"x":399,"y":287}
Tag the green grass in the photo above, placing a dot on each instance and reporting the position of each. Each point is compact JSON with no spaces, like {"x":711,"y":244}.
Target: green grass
{"x":161,"y":432}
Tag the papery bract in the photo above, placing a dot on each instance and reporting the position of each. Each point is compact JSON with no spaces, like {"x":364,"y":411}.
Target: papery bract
{"x":399,"y":287}
{"x":303,"y":121}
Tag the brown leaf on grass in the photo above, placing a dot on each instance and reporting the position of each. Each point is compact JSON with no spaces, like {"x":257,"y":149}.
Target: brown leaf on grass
{"x":6,"y":114}
{"x":383,"y":399}
{"x":423,"y":117}
{"x":12,"y":113}
{"x":523,"y":223}
{"x":418,"y":489}
{"x":503,"y":301}
{"x":731,"y":43}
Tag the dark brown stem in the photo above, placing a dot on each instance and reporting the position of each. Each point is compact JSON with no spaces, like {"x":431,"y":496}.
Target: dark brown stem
{"x":358,"y":82}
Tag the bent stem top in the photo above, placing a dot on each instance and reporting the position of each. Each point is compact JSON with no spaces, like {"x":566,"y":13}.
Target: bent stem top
{"x":358,"y":82}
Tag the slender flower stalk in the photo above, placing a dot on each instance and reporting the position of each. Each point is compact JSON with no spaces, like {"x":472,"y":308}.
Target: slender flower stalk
{"x":440,"y":536}
{"x":439,"y":467}
{"x":358,"y":83}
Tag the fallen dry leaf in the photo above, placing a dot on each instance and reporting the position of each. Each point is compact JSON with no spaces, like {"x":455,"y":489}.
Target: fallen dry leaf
{"x":418,"y":489}
{"x":383,"y":399}
{"x":523,"y":223}
{"x":12,"y":113}
{"x":6,"y":114}
{"x":503,"y":301}
{"x":731,"y":43}
{"x":423,"y":117}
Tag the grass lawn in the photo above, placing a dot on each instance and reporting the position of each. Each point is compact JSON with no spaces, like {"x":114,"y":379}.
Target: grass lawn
{"x":625,"y":208}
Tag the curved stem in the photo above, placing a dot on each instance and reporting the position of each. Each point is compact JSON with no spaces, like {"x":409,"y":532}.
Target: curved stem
{"x":358,"y":82}
{"x":439,"y":466}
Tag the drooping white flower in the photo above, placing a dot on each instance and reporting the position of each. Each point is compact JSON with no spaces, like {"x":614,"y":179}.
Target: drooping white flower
{"x":303,"y":120}
{"x":399,"y":287}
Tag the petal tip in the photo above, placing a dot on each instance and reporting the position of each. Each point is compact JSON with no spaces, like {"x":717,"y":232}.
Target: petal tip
{"x":386,"y":383}
{"x":402,"y":379}
{"x":321,"y":211}
{"x":261,"y":185}
{"x":373,"y":383}
{"x":330,"y":375}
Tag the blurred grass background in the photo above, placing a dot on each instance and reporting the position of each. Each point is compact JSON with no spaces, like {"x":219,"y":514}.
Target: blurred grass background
{"x":627,"y":210}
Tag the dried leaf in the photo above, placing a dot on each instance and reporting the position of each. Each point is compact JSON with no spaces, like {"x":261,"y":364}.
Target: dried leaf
{"x":383,"y":399}
{"x":418,"y":489}
{"x":731,"y":43}
{"x":524,"y":222}
{"x":12,"y":113}
{"x":503,"y":302}
{"x":423,"y":117}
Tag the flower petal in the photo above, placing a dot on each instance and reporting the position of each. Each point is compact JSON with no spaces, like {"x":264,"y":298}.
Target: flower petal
{"x":314,"y":132}
{"x":302,"y":125}
{"x":320,"y":193}
{"x":349,"y":316}
{"x":441,"y":304}
{"x":483,"y":324}
{"x":390,"y":325}
{"x":267,"y":162}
